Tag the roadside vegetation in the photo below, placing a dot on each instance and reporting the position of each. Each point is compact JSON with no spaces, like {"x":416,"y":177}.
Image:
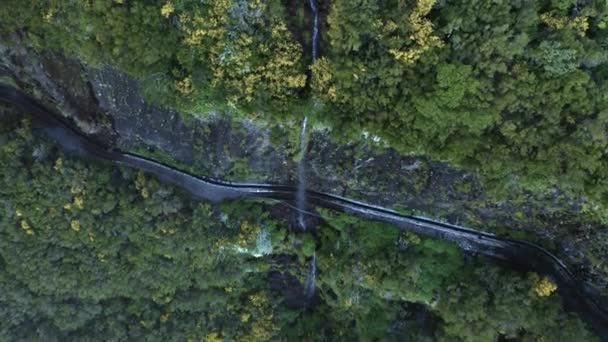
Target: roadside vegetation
{"x":513,"y":91}
{"x":90,"y":251}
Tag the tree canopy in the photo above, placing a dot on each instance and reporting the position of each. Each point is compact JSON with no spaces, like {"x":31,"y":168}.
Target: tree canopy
{"x":507,"y":89}
{"x":89,"y":251}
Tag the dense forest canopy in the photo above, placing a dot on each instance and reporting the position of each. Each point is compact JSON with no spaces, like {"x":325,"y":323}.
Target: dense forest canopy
{"x":513,"y":91}
{"x":90,"y":251}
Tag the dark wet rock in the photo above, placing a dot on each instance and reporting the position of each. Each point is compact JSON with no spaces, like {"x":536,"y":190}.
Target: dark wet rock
{"x":109,"y":106}
{"x":216,"y":145}
{"x":292,"y":290}
{"x":137,"y":123}
{"x":288,"y":213}
{"x":519,"y":254}
{"x":58,"y":82}
{"x":413,"y":317}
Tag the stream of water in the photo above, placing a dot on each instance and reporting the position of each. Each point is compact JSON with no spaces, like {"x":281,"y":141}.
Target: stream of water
{"x":577,"y":294}
{"x":301,"y":193}
{"x":311,"y":278}
{"x":315,"y":28}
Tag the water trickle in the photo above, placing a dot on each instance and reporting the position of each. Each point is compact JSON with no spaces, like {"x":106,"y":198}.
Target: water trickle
{"x":311,"y":278}
{"x":301,"y":193}
{"x":315,"y":28}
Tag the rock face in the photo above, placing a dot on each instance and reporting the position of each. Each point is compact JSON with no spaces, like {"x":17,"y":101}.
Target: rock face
{"x":216,"y":145}
{"x":108,"y":106}
{"x":245,"y":150}
{"x":58,"y":83}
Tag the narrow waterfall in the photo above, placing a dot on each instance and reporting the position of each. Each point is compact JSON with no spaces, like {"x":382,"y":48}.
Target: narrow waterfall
{"x":301,"y":193}
{"x":311,"y":277}
{"x":315,"y":28}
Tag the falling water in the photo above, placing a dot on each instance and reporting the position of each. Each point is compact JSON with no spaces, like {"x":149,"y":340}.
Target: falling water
{"x":301,"y":194}
{"x":311,"y":278}
{"x":315,"y":28}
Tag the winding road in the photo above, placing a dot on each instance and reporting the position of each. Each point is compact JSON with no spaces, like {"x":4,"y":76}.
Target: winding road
{"x":577,"y":295}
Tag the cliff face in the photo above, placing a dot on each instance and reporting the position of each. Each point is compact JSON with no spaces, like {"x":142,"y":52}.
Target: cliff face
{"x":57,"y":82}
{"x":109,"y":106}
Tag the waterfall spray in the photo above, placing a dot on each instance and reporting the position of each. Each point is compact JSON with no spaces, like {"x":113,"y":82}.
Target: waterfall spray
{"x":311,"y":278}
{"x":301,"y":193}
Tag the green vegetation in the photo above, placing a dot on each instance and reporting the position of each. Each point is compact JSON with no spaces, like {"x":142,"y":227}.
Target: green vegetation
{"x":514,"y":92}
{"x":511,"y":90}
{"x":188,"y":51}
{"x":89,"y":252}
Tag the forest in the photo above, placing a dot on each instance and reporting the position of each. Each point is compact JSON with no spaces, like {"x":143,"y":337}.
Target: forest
{"x":514,"y":92}
{"x":90,"y":251}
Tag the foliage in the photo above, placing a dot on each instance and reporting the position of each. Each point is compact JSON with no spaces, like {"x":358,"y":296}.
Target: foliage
{"x":474,"y":301}
{"x":544,"y":286}
{"x":513,"y":91}
{"x":510,"y":90}
{"x":163,"y":267}
{"x":469,"y":304}
{"x":241,"y":50}
{"x":117,"y":251}
{"x":421,"y":33}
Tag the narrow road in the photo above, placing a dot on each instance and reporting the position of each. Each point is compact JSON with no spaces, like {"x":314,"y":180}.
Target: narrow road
{"x":576,"y":294}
